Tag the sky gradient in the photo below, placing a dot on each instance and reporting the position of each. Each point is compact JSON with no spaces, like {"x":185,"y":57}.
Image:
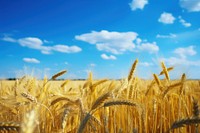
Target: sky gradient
{"x":42,"y":37}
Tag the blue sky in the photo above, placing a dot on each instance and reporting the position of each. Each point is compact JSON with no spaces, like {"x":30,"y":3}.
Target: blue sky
{"x":42,"y":37}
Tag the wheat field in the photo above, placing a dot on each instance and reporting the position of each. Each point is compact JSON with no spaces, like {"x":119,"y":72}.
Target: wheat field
{"x":130,"y":105}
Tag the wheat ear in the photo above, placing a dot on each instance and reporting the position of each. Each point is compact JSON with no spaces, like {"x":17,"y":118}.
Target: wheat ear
{"x":183,"y":78}
{"x":183,"y":122}
{"x":61,"y":99}
{"x":168,"y":69}
{"x":100,"y":100}
{"x":64,"y":84}
{"x":119,"y":102}
{"x":9,"y":126}
{"x":157,"y":80}
{"x":29,"y":97}
{"x":58,"y":74}
{"x":64,"y":118}
{"x":165,"y":71}
{"x":131,"y":73}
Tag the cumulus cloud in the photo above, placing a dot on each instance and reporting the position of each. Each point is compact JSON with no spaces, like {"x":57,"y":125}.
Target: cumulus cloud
{"x":183,"y":22}
{"x":118,"y":42}
{"x":148,"y":47}
{"x":106,"y":57}
{"x":166,"y":18}
{"x":166,"y":36}
{"x":190,"y":5}
{"x":38,"y":44}
{"x":31,"y":60}
{"x":138,"y":4}
{"x":186,"y":51}
{"x":113,"y":42}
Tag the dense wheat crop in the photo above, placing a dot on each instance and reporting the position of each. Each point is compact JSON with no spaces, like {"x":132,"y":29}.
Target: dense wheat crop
{"x":129,"y":105}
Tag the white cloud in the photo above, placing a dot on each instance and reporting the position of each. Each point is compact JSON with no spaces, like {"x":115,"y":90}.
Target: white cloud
{"x":9,"y":39}
{"x":66,"y":49}
{"x":106,"y":57}
{"x":113,"y":42}
{"x":148,"y":47}
{"x":181,"y":57}
{"x":183,"y":22}
{"x":166,"y":36}
{"x":146,"y":64}
{"x":138,"y":41}
{"x":166,"y":18}
{"x":118,"y":42}
{"x":190,"y":5}
{"x":36,"y":43}
{"x":31,"y":60}
{"x":31,"y":42}
{"x":186,"y":51}
{"x":174,"y":61}
{"x":138,"y":4}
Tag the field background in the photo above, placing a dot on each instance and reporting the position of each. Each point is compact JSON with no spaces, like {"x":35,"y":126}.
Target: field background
{"x":112,"y":106}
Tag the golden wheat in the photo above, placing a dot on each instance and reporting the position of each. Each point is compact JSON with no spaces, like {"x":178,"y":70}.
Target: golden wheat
{"x":132,"y":104}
